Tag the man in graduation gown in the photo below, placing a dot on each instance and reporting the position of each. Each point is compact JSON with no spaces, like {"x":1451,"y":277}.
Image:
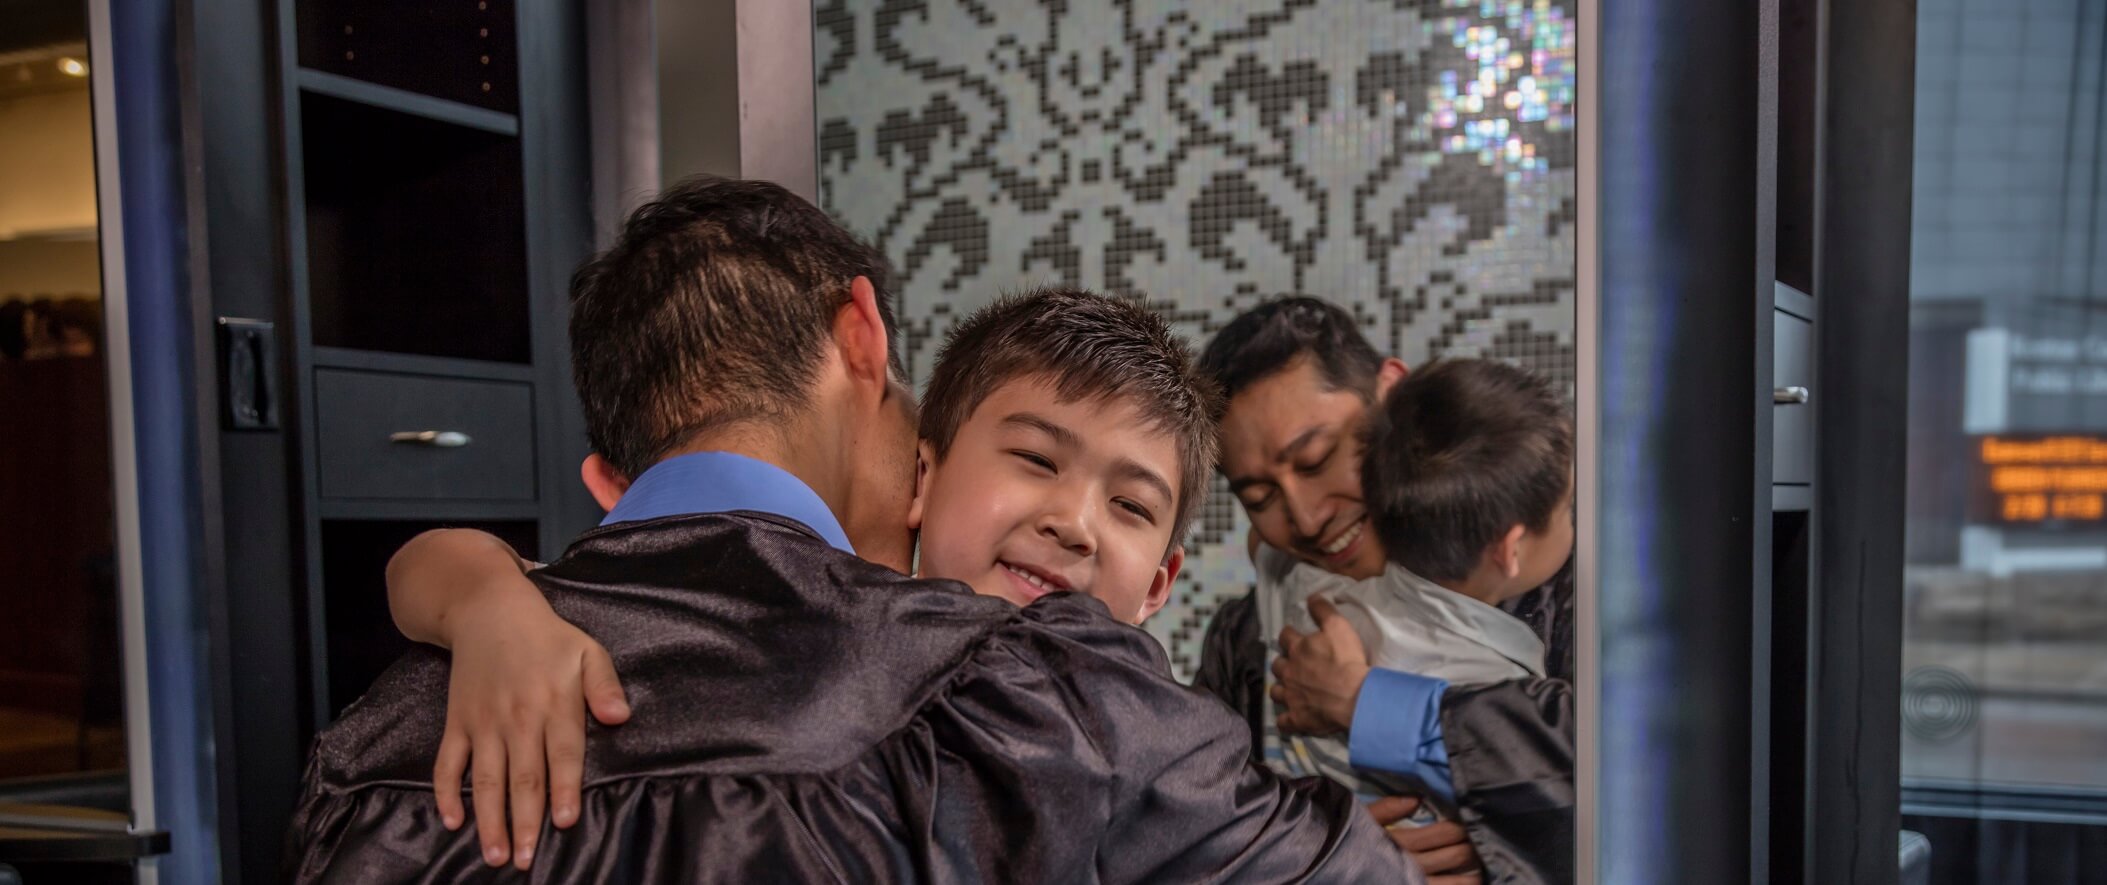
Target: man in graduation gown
{"x":805,"y":712}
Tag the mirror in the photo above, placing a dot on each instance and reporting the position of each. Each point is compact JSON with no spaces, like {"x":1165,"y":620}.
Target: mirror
{"x":1410,"y":164}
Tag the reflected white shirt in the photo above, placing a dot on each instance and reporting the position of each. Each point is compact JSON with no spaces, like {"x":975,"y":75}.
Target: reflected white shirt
{"x":1405,"y":622}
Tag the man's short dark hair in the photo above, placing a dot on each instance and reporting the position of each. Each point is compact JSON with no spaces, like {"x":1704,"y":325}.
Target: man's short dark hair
{"x":714,"y":307}
{"x":1087,"y":347}
{"x":1270,"y":337}
{"x":1462,"y":451}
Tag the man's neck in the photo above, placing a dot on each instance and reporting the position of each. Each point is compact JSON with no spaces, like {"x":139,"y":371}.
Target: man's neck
{"x":771,"y":445}
{"x":811,"y":451}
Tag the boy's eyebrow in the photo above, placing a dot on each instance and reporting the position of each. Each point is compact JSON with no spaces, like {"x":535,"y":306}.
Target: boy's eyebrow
{"x":1061,"y":435}
{"x":1123,"y":468}
{"x":1128,"y":468}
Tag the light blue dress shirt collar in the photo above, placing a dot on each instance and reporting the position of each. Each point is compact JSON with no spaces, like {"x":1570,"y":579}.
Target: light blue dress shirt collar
{"x":720,"y":482}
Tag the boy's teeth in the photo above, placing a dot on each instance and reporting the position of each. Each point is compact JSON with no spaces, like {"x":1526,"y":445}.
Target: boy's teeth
{"x":1343,"y":540}
{"x":1029,"y":578}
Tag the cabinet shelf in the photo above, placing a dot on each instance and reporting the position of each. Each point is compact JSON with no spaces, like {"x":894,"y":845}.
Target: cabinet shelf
{"x":465,"y":52}
{"x":404,"y":101}
{"x":419,"y":509}
{"x":413,"y":364}
{"x":415,"y":233}
{"x":362,"y":640}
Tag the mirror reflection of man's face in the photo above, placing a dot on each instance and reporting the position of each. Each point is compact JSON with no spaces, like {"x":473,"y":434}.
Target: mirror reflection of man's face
{"x":1291,"y":449}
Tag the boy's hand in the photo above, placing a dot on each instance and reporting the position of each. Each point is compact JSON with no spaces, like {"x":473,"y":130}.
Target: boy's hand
{"x":1318,"y":676}
{"x":522,"y":679}
{"x":1441,"y":849}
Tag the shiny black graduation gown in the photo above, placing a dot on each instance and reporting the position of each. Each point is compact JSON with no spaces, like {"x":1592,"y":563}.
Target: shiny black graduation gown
{"x":803,"y":715}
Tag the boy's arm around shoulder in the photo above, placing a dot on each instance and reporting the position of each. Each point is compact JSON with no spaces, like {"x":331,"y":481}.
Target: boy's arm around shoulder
{"x":440,"y":575}
{"x":521,"y":679}
{"x":1510,"y":749}
{"x":1233,"y":663}
{"x":1186,"y":801}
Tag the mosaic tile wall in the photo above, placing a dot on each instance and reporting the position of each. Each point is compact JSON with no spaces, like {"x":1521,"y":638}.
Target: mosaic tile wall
{"x":1411,"y":159}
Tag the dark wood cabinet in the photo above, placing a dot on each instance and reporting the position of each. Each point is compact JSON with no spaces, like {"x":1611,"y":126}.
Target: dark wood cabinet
{"x":390,"y":241}
{"x":464,"y":51}
{"x":362,"y":639}
{"x":436,"y":199}
{"x":382,"y":436}
{"x":415,"y":229}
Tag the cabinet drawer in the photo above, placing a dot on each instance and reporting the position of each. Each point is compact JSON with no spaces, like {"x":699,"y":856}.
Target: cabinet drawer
{"x":359,"y":414}
{"x":1792,"y":424}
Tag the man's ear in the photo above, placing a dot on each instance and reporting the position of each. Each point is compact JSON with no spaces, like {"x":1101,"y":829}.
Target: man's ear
{"x":1160,"y":588}
{"x":1506,"y":553}
{"x":859,"y":334}
{"x":1387,"y":375}
{"x":925,"y":458}
{"x":602,"y":479}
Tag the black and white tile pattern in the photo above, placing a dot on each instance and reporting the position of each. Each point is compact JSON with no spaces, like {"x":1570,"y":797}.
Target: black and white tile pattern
{"x":1413,"y":159}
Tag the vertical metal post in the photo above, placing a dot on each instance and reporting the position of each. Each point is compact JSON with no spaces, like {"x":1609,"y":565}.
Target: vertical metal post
{"x":1682,"y":380}
{"x":124,"y":446}
{"x":735,"y":87}
{"x":1587,"y":467}
{"x":622,"y":102}
{"x":778,"y":137}
{"x":1864,"y":141}
{"x":142,"y":209}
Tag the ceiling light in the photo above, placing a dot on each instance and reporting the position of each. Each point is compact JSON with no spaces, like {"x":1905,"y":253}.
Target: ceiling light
{"x":73,"y":67}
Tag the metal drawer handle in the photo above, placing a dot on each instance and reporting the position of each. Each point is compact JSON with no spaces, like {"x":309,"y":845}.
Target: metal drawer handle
{"x":1789,"y":396}
{"x":438,"y":439}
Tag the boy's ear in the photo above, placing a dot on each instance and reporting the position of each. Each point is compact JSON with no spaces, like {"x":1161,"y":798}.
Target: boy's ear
{"x":1160,"y":588}
{"x":1506,"y":552}
{"x":1387,"y":375}
{"x":925,"y":457}
{"x":607,"y":484}
{"x":859,"y":334}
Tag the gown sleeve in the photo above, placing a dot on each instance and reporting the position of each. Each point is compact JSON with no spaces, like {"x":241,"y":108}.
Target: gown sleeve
{"x":1187,"y":804}
{"x":1510,"y":748}
{"x":1232,"y":665}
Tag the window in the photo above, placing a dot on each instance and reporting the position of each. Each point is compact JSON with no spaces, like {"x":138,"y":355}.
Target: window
{"x":61,"y":689}
{"x":2005,"y":621}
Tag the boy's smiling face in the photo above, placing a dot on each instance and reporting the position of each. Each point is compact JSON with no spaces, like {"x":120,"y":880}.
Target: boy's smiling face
{"x":1038,"y":495}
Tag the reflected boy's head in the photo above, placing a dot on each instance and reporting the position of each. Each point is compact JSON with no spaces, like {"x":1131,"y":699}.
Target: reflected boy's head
{"x":1469,"y":477}
{"x":1299,"y":377}
{"x":736,"y":307}
{"x":1066,"y":443}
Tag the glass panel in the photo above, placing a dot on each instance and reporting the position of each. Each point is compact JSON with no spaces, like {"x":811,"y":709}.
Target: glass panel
{"x":61,"y":693}
{"x":1411,"y":162}
{"x":2005,"y":624}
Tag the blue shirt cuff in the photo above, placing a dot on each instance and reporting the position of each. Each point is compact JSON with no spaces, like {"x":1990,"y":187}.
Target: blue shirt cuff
{"x":1397,"y":729}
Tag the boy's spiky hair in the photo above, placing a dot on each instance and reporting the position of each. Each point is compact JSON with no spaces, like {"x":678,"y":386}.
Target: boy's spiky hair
{"x":1460,"y":452}
{"x":1088,"y":347}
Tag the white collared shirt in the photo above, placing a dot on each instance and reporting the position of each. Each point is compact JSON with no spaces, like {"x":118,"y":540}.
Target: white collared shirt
{"x":1405,"y":622}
